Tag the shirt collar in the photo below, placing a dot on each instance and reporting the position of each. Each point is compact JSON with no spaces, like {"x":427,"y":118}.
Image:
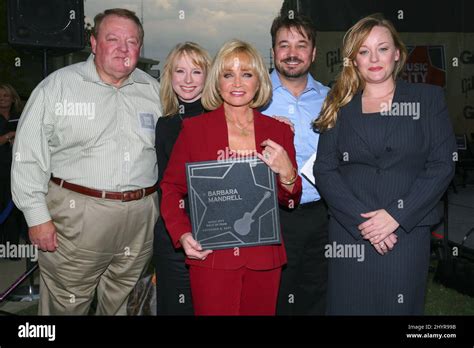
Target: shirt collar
{"x":311,"y":84}
{"x":90,"y":73}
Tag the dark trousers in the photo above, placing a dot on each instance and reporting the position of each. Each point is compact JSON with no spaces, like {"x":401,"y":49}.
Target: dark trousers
{"x":173,"y":288}
{"x":304,"y":278}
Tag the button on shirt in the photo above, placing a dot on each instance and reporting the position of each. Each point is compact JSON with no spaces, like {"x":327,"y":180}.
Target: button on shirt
{"x":302,"y":111}
{"x":87,"y":132}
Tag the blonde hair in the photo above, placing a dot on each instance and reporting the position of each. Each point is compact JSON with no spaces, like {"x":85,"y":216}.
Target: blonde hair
{"x":211,"y":98}
{"x":349,"y":81}
{"x":199,"y":57}
{"x":16,"y":105}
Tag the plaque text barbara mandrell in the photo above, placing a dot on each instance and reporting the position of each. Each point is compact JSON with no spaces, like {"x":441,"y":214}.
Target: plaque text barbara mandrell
{"x":223,"y":195}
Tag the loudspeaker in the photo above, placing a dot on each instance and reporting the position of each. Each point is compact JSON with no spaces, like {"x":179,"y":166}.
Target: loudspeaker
{"x":455,"y":267}
{"x":46,"y":24}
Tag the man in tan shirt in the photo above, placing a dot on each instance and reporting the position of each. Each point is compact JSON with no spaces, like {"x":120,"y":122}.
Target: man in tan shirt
{"x":85,"y":170}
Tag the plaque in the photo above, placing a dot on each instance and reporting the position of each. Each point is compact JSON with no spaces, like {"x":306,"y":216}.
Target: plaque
{"x":233,"y":203}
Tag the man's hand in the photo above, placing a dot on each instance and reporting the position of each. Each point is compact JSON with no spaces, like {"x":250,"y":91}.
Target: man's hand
{"x":44,"y":236}
{"x":192,"y":248}
{"x":285,"y":120}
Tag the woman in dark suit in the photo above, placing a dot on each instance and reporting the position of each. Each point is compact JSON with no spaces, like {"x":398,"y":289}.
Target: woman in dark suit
{"x":243,"y":281}
{"x":182,"y":82}
{"x":385,"y":158}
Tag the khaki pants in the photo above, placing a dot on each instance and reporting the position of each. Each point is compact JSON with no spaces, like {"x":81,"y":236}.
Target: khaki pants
{"x":104,"y":246}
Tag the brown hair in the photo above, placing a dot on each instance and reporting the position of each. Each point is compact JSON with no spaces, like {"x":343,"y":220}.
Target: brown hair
{"x":349,"y":81}
{"x":302,"y":24}
{"x":119,"y":12}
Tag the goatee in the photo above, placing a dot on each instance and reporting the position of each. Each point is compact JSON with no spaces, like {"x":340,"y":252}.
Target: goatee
{"x":291,"y":74}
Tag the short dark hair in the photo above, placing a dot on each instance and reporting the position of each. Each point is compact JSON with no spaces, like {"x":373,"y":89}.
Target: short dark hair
{"x":304,"y":25}
{"x":119,"y":12}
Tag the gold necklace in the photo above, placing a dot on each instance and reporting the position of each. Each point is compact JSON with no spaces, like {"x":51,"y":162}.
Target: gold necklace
{"x":364,"y":96}
{"x":243,"y":130}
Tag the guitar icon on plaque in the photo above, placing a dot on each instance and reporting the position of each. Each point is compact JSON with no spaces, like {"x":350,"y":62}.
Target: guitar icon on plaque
{"x":243,"y":225}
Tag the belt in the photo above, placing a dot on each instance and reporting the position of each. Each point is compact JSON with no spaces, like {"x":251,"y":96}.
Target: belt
{"x":125,"y":196}
{"x":310,"y":204}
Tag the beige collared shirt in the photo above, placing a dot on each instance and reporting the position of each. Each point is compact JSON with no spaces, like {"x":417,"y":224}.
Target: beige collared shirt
{"x":87,"y":132}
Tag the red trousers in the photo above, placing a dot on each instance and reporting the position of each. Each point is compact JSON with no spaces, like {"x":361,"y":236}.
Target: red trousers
{"x":234,"y":292}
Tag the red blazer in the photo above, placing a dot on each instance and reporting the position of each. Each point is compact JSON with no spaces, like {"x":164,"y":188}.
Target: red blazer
{"x":203,"y":138}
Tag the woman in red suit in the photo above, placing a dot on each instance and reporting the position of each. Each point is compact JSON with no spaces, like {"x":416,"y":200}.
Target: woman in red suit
{"x":235,"y":281}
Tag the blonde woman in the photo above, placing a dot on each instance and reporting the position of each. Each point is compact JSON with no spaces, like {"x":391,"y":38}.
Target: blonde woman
{"x":10,"y":105}
{"x":223,"y":282}
{"x":182,"y":82}
{"x":385,"y":157}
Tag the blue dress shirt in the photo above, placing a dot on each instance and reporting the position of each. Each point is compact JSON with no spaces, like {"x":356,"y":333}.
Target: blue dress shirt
{"x":302,"y":111}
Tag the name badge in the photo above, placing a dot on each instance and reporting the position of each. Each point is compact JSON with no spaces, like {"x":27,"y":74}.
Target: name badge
{"x":147,"y":120}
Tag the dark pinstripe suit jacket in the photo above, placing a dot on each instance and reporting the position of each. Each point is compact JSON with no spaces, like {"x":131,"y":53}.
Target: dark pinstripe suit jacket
{"x":407,"y":176}
{"x":404,"y":169}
